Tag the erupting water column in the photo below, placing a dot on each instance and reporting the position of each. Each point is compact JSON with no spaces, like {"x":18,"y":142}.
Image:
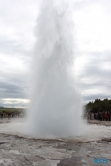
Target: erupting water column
{"x":55,"y":108}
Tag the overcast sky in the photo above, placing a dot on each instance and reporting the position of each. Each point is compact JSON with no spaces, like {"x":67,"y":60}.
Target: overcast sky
{"x":92,"y":30}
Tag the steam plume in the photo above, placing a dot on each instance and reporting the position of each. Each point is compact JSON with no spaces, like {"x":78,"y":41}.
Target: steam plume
{"x":55,"y":108}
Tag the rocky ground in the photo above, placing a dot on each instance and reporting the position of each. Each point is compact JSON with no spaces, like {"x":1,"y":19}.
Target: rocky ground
{"x":23,"y":151}
{"x":103,"y":123}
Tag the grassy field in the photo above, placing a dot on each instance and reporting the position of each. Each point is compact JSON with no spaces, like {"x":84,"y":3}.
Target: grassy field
{"x":11,"y":111}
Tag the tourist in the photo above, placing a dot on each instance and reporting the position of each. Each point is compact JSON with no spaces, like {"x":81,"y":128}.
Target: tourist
{"x":98,"y":115}
{"x":105,"y":116}
{"x":101,"y":116}
{"x":108,"y":116}
{"x":92,"y":116}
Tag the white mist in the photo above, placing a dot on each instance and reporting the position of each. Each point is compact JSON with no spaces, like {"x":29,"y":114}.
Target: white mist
{"x":55,"y":108}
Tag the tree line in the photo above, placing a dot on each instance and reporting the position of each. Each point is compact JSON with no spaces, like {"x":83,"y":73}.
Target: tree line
{"x":98,"y":106}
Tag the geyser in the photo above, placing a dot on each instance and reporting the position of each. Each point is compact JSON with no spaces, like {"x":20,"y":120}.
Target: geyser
{"x":55,"y":108}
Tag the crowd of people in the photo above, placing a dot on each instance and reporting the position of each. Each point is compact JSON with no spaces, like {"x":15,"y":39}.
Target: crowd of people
{"x":102,"y":116}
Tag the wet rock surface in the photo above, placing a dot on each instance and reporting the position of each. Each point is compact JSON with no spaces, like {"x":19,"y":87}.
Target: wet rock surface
{"x":21,"y":151}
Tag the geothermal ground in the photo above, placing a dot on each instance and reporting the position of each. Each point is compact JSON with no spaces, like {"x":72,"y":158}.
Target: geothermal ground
{"x":19,"y":150}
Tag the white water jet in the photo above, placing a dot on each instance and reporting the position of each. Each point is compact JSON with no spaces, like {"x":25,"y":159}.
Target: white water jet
{"x":55,"y":108}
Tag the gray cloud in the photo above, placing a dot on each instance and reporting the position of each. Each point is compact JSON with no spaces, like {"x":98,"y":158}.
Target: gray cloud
{"x":95,"y":76}
{"x":96,"y":96}
{"x":17,"y":20}
{"x":12,"y":47}
{"x":11,"y":90}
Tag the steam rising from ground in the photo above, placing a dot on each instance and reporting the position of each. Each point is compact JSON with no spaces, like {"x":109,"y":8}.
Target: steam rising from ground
{"x":55,"y":108}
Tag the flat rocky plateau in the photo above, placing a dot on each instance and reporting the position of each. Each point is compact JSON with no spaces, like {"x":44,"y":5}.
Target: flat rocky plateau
{"x":17,"y":150}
